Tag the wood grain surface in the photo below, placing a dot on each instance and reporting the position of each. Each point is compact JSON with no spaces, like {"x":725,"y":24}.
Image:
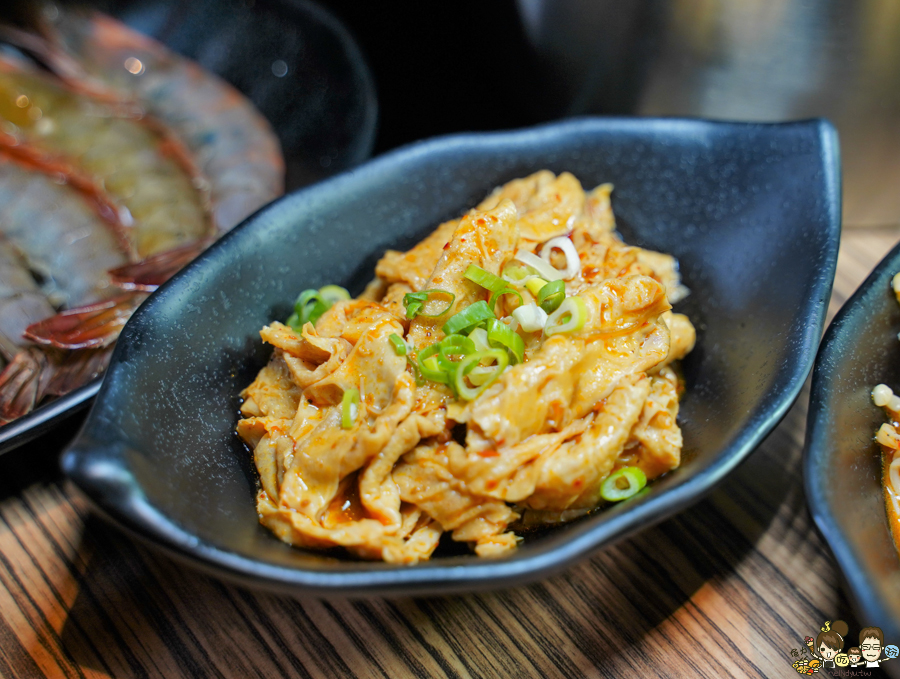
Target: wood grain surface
{"x":727,"y":588}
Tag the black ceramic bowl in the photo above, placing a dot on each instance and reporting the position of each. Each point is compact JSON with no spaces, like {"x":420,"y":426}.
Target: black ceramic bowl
{"x":842,"y":462}
{"x":322,"y":109}
{"x":751,"y":211}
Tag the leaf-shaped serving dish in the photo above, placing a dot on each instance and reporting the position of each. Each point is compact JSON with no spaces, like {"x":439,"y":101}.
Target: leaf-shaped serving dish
{"x":752,"y":212}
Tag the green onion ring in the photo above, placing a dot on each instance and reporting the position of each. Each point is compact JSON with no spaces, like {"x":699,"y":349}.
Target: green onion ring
{"x":575,"y":308}
{"x":545,"y":269}
{"x":453,"y":345}
{"x":469,"y":363}
{"x":534,"y":285}
{"x":420,"y":379}
{"x":551,"y":296}
{"x":469,"y":317}
{"x":480,"y":374}
{"x":500,"y":333}
{"x":305,"y":298}
{"x":610,"y":489}
{"x":330,"y":294}
{"x":415,"y":303}
{"x":485,"y":279}
{"x":398,"y":344}
{"x":429,"y":367}
{"x":495,"y":297}
{"x":308,"y":307}
{"x":480,"y":338}
{"x":516,"y":272}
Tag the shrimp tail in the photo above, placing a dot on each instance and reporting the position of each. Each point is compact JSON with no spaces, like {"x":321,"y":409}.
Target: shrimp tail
{"x":22,"y":384}
{"x":148,"y":274}
{"x":75,"y":369}
{"x":35,"y":373}
{"x":91,"y":326}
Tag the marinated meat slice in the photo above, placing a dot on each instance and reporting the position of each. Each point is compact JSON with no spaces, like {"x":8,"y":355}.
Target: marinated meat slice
{"x":548,"y":206}
{"x":415,"y":266}
{"x":486,"y":239}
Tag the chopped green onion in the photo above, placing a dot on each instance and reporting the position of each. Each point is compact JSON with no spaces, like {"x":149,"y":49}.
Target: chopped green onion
{"x":311,"y":304}
{"x":401,"y":348}
{"x":551,"y":296}
{"x":480,"y":338}
{"x":333,"y":293}
{"x":485,"y":279}
{"x":349,"y":408}
{"x":470,"y":363}
{"x":420,"y":379}
{"x":516,"y":272}
{"x":431,"y":370}
{"x":535,"y":284}
{"x":500,"y":333}
{"x":415,"y":303}
{"x":429,"y":367}
{"x":306,"y":297}
{"x":453,"y":345}
{"x":492,"y":302}
{"x":531,"y":317}
{"x":457,"y":344}
{"x":471,"y":316}
{"x":309,"y":307}
{"x":623,"y":484}
{"x":481,"y":374}
{"x":445,"y":309}
{"x":398,"y":344}
{"x":575,"y":309}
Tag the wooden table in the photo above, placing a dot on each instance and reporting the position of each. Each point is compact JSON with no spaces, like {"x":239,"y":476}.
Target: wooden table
{"x":726,"y":588}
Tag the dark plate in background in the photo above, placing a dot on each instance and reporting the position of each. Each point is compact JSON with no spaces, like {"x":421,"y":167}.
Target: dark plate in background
{"x":751,"y":211}
{"x":293,"y":59}
{"x":323,"y":108}
{"x":842,"y":461}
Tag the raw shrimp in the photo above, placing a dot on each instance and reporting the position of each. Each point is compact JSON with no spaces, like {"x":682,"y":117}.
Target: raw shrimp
{"x":21,"y":303}
{"x":21,"y":300}
{"x":155,"y":193}
{"x":71,"y":251}
{"x":37,"y":275}
{"x":232,"y":145}
{"x":208,"y":127}
{"x":149,"y":158}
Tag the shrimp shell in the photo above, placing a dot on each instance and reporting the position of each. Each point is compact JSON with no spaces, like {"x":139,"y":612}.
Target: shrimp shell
{"x":21,"y":300}
{"x":165,"y":157}
{"x":232,"y":144}
{"x":127,"y":157}
{"x":72,"y":249}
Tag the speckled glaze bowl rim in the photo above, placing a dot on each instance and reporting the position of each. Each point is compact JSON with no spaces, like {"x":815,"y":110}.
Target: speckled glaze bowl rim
{"x":815,"y":452}
{"x":370,"y":578}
